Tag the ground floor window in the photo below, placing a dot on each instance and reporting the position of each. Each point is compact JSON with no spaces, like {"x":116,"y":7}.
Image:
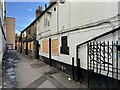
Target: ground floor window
{"x":44,"y":46}
{"x":54,"y":46}
{"x":64,"y":49}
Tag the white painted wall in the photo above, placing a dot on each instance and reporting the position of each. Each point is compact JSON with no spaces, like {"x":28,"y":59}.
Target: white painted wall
{"x":2,"y":40}
{"x":1,"y":54}
{"x":71,"y":15}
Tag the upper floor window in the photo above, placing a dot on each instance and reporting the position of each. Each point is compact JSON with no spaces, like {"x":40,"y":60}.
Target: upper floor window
{"x":22,"y":35}
{"x":25,"y":34}
{"x":62,"y":1}
{"x":29,"y":31}
{"x":46,"y":22}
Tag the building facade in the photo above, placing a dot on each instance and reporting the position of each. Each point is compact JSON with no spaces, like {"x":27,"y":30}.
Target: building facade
{"x":2,"y":35}
{"x":17,"y":42}
{"x":2,"y":29}
{"x":64,"y":32}
{"x":10,"y":32}
{"x":80,"y":38}
{"x":29,"y":40}
{"x":29,"y":45}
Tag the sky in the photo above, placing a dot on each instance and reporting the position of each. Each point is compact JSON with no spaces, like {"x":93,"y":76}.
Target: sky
{"x":23,"y":12}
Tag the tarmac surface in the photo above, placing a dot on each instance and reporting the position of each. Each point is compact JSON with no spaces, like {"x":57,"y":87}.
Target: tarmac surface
{"x":37,"y":74}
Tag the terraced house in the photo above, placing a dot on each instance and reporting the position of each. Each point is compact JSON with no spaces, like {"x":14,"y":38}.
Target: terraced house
{"x":28,"y":38}
{"x":82,"y":39}
{"x":79,"y":38}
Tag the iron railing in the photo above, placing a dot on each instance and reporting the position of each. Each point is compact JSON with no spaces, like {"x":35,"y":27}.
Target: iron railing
{"x":103,"y":61}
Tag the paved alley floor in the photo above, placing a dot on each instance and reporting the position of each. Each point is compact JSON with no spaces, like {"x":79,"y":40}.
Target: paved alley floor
{"x":0,"y":75}
{"x":36,"y":74}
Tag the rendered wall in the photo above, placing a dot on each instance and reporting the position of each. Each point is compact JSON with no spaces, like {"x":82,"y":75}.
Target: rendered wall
{"x":73,"y":15}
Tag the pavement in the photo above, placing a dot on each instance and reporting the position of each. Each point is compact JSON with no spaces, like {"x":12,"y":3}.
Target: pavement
{"x":0,"y":75}
{"x":37,"y":74}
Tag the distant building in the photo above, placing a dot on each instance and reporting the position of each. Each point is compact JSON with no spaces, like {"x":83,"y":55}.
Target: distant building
{"x":28,"y":40}
{"x":29,"y":44}
{"x":17,"y":42}
{"x":10,"y":32}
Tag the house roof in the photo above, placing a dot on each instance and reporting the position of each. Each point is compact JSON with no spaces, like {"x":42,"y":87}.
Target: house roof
{"x":39,"y":16}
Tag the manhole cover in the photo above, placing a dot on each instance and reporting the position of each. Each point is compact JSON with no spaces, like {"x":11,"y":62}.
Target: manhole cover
{"x":37,"y":65}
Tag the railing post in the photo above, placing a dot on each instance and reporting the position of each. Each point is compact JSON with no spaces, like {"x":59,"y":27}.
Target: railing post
{"x":78,"y":64}
{"x":78,"y":70}
{"x":88,"y":63}
{"x":73,"y":67}
{"x":117,"y":63}
{"x":100,"y":65}
{"x":50,"y":61}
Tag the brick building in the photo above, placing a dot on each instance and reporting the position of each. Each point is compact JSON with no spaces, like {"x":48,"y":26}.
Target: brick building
{"x":10,"y":32}
{"x":29,"y":44}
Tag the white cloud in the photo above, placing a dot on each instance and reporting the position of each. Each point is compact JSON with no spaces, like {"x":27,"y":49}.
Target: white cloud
{"x":7,"y":11}
{"x":30,"y":9}
{"x":17,"y":32}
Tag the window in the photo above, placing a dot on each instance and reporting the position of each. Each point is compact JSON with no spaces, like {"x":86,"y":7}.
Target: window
{"x":32,"y":45}
{"x":24,"y":45}
{"x":46,"y":22}
{"x":29,"y":45}
{"x":54,"y":46}
{"x":54,"y":9}
{"x":62,"y":1}
{"x":45,"y":46}
{"x":22,"y":35}
{"x":64,"y":49}
{"x":29,"y":31}
{"x":25,"y":34}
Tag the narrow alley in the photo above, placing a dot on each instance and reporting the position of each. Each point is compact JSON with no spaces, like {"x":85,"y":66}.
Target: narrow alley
{"x":36,"y":74}
{"x":60,"y":44}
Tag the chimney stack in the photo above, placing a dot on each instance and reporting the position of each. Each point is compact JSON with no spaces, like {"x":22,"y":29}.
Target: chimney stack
{"x":39,"y":11}
{"x":40,"y":8}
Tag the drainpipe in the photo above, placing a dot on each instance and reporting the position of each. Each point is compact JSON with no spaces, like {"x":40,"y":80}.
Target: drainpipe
{"x":26,"y":46}
{"x":21,"y":42}
{"x":57,"y":16}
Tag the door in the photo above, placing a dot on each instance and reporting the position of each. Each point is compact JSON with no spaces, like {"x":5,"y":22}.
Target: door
{"x":37,"y":49}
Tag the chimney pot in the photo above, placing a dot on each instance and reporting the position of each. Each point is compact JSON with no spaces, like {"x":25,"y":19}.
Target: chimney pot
{"x":45,"y":6}
{"x":39,"y":11}
{"x":40,"y":8}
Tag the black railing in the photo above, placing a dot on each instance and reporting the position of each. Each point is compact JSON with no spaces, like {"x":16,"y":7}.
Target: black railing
{"x":103,"y":61}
